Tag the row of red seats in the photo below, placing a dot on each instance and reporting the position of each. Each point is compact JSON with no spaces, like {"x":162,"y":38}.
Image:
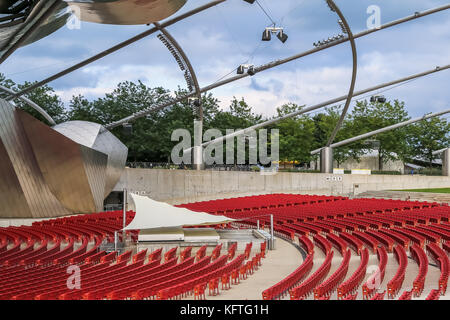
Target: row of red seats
{"x":338,"y":243}
{"x":419,"y":255}
{"x":350,"y":286}
{"x":151,"y":288}
{"x":187,"y":284}
{"x":306,"y":287}
{"x":441,"y":258}
{"x":374,"y":281}
{"x":433,"y":295}
{"x":407,"y":295}
{"x":241,"y":204}
{"x":279,"y":289}
{"x":90,"y":283}
{"x":395,"y":284}
{"x":330,"y":285}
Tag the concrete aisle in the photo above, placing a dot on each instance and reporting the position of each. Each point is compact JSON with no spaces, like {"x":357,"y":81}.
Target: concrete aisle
{"x":277,"y":265}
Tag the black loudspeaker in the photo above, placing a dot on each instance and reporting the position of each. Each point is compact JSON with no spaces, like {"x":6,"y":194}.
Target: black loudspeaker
{"x":267,"y":36}
{"x":282,"y":36}
{"x":128,"y":129}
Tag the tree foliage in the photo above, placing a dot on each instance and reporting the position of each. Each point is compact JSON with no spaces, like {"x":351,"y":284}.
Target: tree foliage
{"x":150,"y":140}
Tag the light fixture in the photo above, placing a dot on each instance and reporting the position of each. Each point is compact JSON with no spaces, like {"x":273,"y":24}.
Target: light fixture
{"x":127,"y":129}
{"x":250,"y":1}
{"x":267,"y":34}
{"x":251,"y":71}
{"x":330,"y":6}
{"x":343,"y":28}
{"x":282,"y":36}
{"x":378,"y":98}
{"x":329,"y":40}
{"x":241,"y":69}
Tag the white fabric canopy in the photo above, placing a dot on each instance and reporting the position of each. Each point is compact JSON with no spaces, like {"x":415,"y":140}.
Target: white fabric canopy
{"x":152,"y":214}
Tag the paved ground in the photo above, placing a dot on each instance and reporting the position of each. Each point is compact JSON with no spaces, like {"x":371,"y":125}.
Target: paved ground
{"x":287,"y":258}
{"x":407,"y":195}
{"x":277,"y":265}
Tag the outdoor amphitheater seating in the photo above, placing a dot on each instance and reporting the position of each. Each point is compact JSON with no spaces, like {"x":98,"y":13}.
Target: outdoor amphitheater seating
{"x":433,"y":295}
{"x":407,"y":295}
{"x":379,"y":296}
{"x":350,"y":286}
{"x":306,"y":288}
{"x":33,"y":259}
{"x":441,"y":258}
{"x":419,"y":255}
{"x":331,"y":284}
{"x":396,"y":282}
{"x":369,"y":288}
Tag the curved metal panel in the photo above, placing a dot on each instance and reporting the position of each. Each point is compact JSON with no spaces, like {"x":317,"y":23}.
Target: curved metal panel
{"x":31,"y":104}
{"x":12,"y":33}
{"x":27,"y":194}
{"x":127,"y":12}
{"x":95,"y":136}
{"x":117,"y":153}
{"x":68,"y":167}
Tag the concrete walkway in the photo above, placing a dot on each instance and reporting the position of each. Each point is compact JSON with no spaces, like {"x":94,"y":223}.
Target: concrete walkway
{"x":407,"y":195}
{"x":277,"y":265}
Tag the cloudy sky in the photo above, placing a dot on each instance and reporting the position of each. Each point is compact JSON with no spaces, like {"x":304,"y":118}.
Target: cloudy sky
{"x":222,"y":38}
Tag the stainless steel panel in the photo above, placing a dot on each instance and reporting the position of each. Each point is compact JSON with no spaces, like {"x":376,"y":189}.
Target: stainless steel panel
{"x":9,"y":34}
{"x":127,"y":12}
{"x":95,"y":168}
{"x":14,"y":204}
{"x":95,"y":136}
{"x":66,"y":166}
{"x":24,"y":180}
{"x":124,"y":12}
{"x":117,"y":153}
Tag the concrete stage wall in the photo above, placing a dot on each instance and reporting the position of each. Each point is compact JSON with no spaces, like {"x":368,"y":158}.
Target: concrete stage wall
{"x":182,"y":186}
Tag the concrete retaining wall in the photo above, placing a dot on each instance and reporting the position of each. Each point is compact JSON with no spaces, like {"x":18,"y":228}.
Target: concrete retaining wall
{"x":182,"y":186}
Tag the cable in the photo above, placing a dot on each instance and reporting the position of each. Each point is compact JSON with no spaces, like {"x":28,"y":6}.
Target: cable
{"x":384,"y":90}
{"x":268,"y":16}
{"x":252,"y":55}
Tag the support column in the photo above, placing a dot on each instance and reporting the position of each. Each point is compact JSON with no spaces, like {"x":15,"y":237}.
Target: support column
{"x":125,"y":199}
{"x":446,"y":163}
{"x":198,"y":149}
{"x":326,"y":160}
{"x":272,"y":239}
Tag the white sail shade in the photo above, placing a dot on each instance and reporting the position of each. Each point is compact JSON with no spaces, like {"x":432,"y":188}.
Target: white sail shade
{"x":151,"y":214}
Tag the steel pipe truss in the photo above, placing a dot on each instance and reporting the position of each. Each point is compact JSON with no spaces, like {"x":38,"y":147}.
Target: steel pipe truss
{"x":178,"y":59}
{"x":276,"y":63}
{"x":31,"y":104}
{"x":386,"y":129}
{"x":346,"y":29}
{"x":261,"y":68}
{"x":326,"y":103}
{"x":185,"y":65}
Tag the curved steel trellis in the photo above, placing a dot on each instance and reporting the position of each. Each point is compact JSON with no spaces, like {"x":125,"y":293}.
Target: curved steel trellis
{"x":273,"y":64}
{"x":31,"y":104}
{"x":185,"y":65}
{"x":346,"y":28}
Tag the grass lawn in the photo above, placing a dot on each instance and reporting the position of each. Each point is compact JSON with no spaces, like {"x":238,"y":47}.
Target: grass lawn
{"x":438,"y":190}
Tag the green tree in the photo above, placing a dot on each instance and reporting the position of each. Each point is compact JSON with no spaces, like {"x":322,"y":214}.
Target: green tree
{"x":324,"y":124}
{"x":369,"y":116}
{"x":43,"y":96}
{"x":296,"y":134}
{"x":428,"y":136}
